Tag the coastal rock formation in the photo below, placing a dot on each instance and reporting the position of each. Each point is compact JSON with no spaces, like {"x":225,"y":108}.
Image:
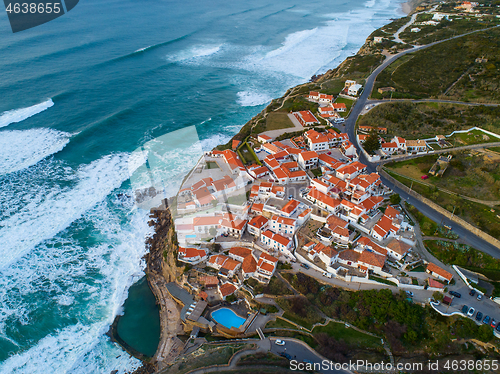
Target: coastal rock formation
{"x":162,"y":256}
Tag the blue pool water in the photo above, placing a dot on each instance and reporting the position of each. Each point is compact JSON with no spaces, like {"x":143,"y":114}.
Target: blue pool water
{"x":227,"y":318}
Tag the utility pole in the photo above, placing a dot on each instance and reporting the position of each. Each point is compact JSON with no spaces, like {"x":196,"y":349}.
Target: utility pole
{"x":452,"y":213}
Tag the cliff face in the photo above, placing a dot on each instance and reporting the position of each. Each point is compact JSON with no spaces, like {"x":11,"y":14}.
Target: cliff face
{"x":163,"y":246}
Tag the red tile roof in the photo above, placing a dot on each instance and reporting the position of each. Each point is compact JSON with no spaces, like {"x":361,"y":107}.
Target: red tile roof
{"x":371,"y":258}
{"x":398,"y":246}
{"x":433,"y":268}
{"x":249,"y":265}
{"x":227,"y":289}
{"x":240,"y":251}
{"x":290,"y":206}
{"x":258,"y":221}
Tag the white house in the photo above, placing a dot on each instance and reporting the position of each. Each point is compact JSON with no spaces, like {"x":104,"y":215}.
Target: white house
{"x":354,"y":89}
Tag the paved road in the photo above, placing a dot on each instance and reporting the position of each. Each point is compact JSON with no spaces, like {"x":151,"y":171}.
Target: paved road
{"x":467,"y":236}
{"x":372,"y":101}
{"x":486,"y":306}
{"x":300,"y":351}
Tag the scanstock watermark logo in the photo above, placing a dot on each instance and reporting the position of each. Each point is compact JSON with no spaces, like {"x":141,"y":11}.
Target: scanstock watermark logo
{"x":25,"y":14}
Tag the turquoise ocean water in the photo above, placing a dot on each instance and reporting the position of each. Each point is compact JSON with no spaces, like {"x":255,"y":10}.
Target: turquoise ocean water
{"x":78,"y":95}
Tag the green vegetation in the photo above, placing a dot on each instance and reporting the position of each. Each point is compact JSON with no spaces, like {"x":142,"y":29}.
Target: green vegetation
{"x":348,"y":103}
{"x":427,"y":226}
{"x":450,"y":70}
{"x":348,"y":335}
{"x":317,"y":172}
{"x":406,"y":326}
{"x":208,"y":355}
{"x":249,"y":154}
{"x":382,"y":280}
{"x":212,"y":165}
{"x":426,"y":120}
{"x":278,"y":120}
{"x":261,"y":358}
{"x":275,"y":287}
{"x":479,"y":215}
{"x":395,"y":199}
{"x":470,"y":173}
{"x":371,"y":143}
{"x":300,"y":310}
{"x":466,"y":257}
{"x":280,"y":324}
{"x":445,"y":29}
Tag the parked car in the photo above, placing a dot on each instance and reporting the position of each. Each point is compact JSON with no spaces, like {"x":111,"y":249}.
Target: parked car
{"x":486,"y":320}
{"x":329,"y":153}
{"x":290,"y":197}
{"x":280,"y":342}
{"x":479,"y":296}
{"x":465,"y":308}
{"x":286,"y":355}
{"x":409,"y":293}
{"x":328,"y":275}
{"x":498,"y":327}
{"x":479,"y":315}
{"x":424,"y":177}
{"x":305,"y":266}
{"x":455,"y":293}
{"x":306,"y":361}
{"x":471,"y":312}
{"x":493,"y":323}
{"x":472,"y":292}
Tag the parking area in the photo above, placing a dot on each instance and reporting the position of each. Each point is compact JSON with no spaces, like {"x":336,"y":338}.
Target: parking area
{"x":485,"y":307}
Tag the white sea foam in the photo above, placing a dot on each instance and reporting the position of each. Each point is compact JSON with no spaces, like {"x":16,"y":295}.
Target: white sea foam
{"x":251,"y":98}
{"x":95,"y":279}
{"x":18,"y":115}
{"x":24,"y":148}
{"x":196,"y":52}
{"x":55,"y":211}
{"x":306,"y":52}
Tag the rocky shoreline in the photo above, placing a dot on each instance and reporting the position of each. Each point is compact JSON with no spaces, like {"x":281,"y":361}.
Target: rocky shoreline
{"x":161,"y":259}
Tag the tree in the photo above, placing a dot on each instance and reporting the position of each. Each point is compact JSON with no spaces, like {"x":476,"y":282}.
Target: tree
{"x":371,"y":143}
{"x":395,"y":199}
{"x":485,"y":333}
{"x":438,"y":296}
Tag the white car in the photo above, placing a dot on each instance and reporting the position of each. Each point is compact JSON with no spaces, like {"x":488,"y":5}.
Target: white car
{"x":479,"y":296}
{"x":280,"y":342}
{"x":471,"y":312}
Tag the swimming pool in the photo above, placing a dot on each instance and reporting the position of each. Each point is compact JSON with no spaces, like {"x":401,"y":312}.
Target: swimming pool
{"x":227,"y":318}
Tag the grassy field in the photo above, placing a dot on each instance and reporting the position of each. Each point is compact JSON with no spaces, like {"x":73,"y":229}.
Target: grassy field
{"x":470,"y":173}
{"x":278,"y":120}
{"x":348,"y":103}
{"x":349,"y":335}
{"x":451,"y":63}
{"x":483,"y":217}
{"x":445,"y":29}
{"x":426,"y":120}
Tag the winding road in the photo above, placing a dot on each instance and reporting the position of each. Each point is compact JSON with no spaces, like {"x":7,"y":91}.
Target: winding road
{"x":467,"y":236}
